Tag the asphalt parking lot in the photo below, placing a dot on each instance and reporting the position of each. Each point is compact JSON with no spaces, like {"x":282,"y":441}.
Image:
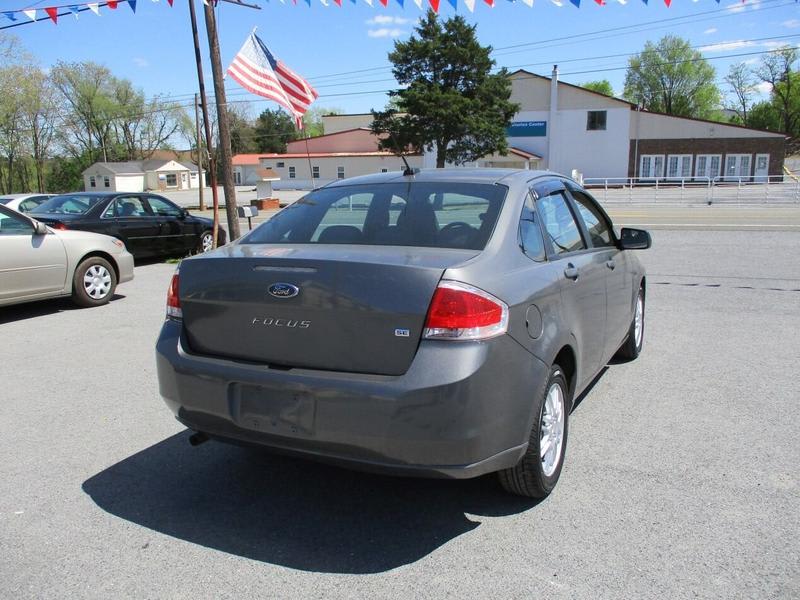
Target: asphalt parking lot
{"x":681,"y":477}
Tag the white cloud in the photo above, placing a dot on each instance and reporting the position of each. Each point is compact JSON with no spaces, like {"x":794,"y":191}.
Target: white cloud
{"x":741,"y":6}
{"x":388,"y":20}
{"x":723,"y":46}
{"x":764,"y":88}
{"x":710,"y":30}
{"x":751,"y":61}
{"x":385,"y":32}
{"x":140,"y":62}
{"x":791,"y":23}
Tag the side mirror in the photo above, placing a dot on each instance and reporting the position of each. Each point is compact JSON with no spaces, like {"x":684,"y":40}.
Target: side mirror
{"x":634,"y":239}
{"x":184,"y":214}
{"x":39,"y":228}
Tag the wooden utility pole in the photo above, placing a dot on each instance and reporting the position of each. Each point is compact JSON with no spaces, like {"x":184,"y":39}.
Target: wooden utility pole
{"x":212,"y":163}
{"x":199,"y":151}
{"x":222,"y":123}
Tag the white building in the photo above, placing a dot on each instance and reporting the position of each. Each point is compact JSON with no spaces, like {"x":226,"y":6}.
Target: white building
{"x":575,"y":129}
{"x":313,"y":162}
{"x":140,"y":176}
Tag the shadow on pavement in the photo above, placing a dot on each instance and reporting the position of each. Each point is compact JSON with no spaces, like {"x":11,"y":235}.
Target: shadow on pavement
{"x":289,"y":512}
{"x":38,"y":308}
{"x":589,"y":388}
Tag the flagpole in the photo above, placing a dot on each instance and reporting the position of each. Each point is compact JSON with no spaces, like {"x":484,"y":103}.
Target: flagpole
{"x":308,"y":156}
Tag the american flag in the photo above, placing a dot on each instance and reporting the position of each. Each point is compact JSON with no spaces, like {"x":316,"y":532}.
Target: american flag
{"x":259,"y":72}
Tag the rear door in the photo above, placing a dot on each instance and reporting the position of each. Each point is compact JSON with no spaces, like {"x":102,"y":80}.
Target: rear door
{"x":30,"y":264}
{"x":583,"y":273}
{"x":135,"y":225}
{"x":619,"y":286}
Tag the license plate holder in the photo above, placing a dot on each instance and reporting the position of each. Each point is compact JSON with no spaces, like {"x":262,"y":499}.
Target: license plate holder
{"x":269,"y":410}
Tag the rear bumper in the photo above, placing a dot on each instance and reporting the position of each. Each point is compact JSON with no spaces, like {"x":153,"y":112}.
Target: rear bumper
{"x":125,"y":266}
{"x":461,"y":410}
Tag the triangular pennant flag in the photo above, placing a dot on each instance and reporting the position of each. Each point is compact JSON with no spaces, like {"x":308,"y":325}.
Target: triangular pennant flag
{"x":490,"y":2}
{"x":400,"y":2}
{"x":558,"y":3}
{"x":470,"y":4}
{"x":434,"y":5}
{"x":668,"y":2}
{"x":528,"y":2}
{"x":74,"y":10}
{"x":95,"y":8}
{"x":454,"y":4}
{"x":601,"y":2}
{"x":170,"y":2}
{"x":10,"y":16}
{"x":338,"y":2}
{"x":52,"y":12}
{"x":307,"y":2}
{"x":419,"y":4}
{"x":645,"y":1}
{"x":623,"y":2}
{"x":384,"y":2}
{"x":324,"y":2}
{"x":577,"y":3}
{"x":31,"y":14}
{"x":112,"y":4}
{"x":132,"y":4}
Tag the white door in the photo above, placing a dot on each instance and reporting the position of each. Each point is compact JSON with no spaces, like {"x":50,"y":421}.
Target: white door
{"x":651,"y":166}
{"x":30,"y":265}
{"x":737,"y":167}
{"x":761,"y":171}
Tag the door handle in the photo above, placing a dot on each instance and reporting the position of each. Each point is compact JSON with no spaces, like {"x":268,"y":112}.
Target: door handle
{"x":611,"y":264}
{"x":571,"y":272}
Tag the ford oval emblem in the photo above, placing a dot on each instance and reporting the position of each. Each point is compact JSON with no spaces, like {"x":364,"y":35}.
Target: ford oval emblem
{"x":283,"y":290}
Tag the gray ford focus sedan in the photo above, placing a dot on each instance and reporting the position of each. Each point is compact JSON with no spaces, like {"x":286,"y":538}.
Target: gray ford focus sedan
{"x":438,"y":324}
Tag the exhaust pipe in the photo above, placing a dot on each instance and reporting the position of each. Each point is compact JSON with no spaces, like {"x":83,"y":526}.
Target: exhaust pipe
{"x":198,"y":438}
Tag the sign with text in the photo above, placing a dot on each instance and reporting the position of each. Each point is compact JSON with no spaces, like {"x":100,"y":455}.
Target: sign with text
{"x":527,"y":129}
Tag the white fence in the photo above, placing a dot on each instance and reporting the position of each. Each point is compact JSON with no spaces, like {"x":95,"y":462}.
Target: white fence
{"x":775,"y":189}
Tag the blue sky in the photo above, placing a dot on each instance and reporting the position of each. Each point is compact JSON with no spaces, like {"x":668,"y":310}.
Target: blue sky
{"x":153,"y":47}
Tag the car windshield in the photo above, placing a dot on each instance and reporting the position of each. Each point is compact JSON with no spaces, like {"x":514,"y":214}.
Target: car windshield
{"x":67,"y":205}
{"x":439,"y":215}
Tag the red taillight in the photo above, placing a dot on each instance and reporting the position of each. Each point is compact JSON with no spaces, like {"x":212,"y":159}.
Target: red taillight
{"x":461,"y":312}
{"x":60,"y":226}
{"x":173,"y":301}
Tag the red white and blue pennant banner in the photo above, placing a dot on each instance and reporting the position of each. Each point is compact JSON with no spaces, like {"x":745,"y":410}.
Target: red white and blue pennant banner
{"x":23,"y":15}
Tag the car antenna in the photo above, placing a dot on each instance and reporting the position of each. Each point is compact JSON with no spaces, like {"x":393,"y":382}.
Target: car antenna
{"x":408,"y":171}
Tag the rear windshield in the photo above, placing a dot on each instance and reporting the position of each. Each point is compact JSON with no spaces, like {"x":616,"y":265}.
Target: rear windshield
{"x":67,"y":205}
{"x":5,"y":200}
{"x":438,"y":215}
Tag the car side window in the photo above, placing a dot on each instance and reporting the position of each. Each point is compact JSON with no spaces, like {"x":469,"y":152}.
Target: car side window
{"x":11,"y":224}
{"x":131,"y":206}
{"x":596,"y":224}
{"x":28,"y":205}
{"x":162,"y":208}
{"x":559,"y":223}
{"x":530,"y":233}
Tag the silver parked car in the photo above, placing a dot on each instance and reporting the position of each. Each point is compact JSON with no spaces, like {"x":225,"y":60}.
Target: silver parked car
{"x":24,"y":202}
{"x":436,"y":324}
{"x":37,"y":262}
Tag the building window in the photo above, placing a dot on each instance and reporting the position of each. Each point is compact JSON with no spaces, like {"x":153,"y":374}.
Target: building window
{"x":172,"y":180}
{"x":384,"y":170}
{"x":106,"y":182}
{"x":737,"y":167}
{"x":315,"y":172}
{"x":679,"y":166}
{"x":340,"y":172}
{"x":291,"y":173}
{"x":279,"y":165}
{"x":707,"y":166}
{"x":761,"y":171}
{"x":651,"y":166}
{"x":596,"y":120}
{"x":92,"y":181}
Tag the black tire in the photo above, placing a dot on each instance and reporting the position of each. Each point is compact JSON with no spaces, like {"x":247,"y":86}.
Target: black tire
{"x":87,"y":294}
{"x":201,"y":242}
{"x":630,"y":349}
{"x":528,"y":477}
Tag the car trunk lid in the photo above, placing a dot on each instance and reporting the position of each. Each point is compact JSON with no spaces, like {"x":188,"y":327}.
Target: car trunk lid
{"x":357,"y":309}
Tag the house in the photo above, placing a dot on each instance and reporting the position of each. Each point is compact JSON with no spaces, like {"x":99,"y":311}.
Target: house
{"x":142,"y":175}
{"x":319,"y":160}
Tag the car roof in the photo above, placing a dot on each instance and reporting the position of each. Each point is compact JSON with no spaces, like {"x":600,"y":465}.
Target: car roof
{"x":22,"y":196}
{"x":458,"y":175}
{"x":97,"y":194}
